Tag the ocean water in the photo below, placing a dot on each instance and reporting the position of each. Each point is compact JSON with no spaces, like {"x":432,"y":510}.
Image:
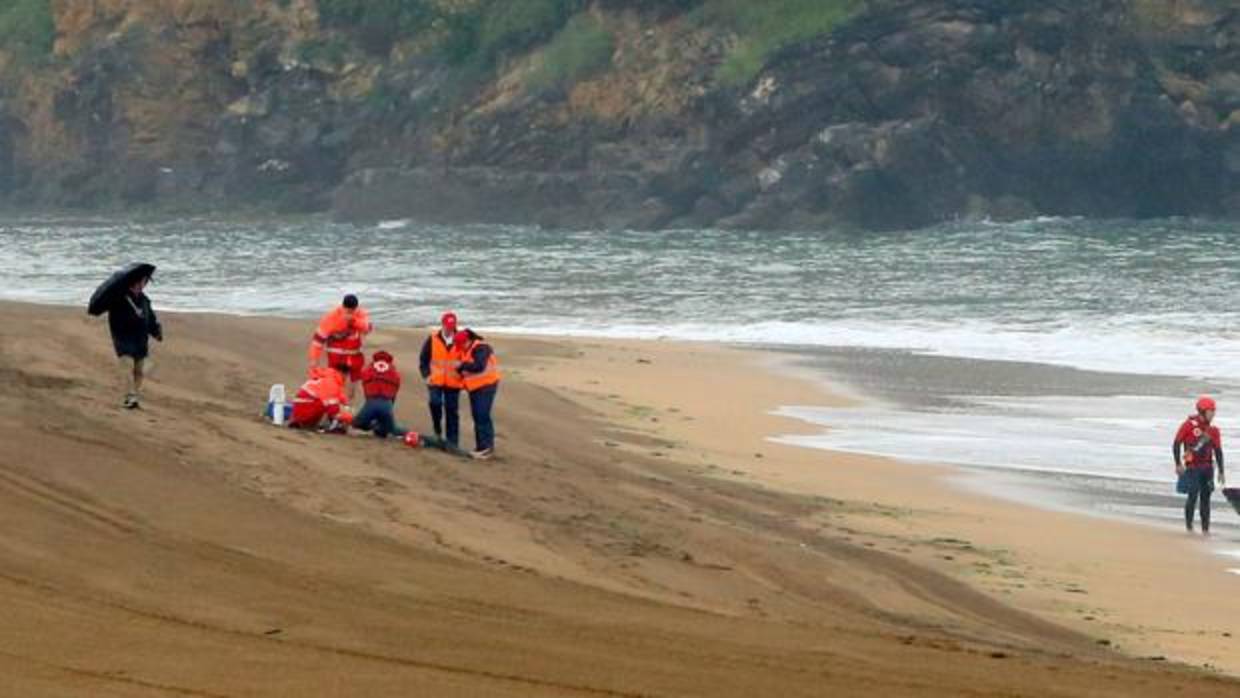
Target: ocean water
{"x":1156,"y":299}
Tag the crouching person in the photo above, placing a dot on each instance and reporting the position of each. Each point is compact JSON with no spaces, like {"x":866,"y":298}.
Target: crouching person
{"x":321,"y":402}
{"x":381,"y":383}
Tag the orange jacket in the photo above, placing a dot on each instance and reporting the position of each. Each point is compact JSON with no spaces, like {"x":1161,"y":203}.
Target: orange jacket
{"x":326,"y":386}
{"x":489,"y":373}
{"x":339,"y":334}
{"x":443,"y":364}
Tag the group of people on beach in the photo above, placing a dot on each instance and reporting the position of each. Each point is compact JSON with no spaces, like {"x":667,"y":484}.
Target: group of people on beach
{"x":453,"y":359}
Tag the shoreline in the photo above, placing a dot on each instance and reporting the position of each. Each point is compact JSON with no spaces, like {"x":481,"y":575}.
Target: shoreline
{"x":1055,"y":584}
{"x":635,"y":481}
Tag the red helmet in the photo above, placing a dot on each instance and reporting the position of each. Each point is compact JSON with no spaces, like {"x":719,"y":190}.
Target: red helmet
{"x":461,"y":339}
{"x":412,"y":440}
{"x":1205,"y":402}
{"x":448,"y":321}
{"x":345,"y":417}
{"x":382,"y":356}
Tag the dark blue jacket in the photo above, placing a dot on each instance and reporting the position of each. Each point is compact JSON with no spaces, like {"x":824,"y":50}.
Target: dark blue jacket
{"x":482,"y":352}
{"x":132,"y":322}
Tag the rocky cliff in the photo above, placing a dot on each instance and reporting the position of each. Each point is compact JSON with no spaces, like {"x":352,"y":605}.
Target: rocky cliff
{"x":876,"y":114}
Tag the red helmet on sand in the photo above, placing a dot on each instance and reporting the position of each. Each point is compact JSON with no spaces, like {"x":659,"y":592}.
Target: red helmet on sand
{"x":448,"y":321}
{"x":345,"y":417}
{"x":1205,"y":402}
{"x":412,"y":440}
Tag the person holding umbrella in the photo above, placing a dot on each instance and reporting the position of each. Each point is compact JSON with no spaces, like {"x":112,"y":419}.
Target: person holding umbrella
{"x":131,"y":321}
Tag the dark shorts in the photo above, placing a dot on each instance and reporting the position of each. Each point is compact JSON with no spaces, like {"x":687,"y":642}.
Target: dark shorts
{"x":133,"y":348}
{"x":1199,"y":480}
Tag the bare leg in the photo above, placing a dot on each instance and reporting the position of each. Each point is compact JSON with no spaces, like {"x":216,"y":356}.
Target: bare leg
{"x":139,"y":375}
{"x":130,"y":375}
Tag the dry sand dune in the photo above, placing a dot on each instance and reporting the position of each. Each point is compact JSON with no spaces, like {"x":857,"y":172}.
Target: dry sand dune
{"x":188,"y":549}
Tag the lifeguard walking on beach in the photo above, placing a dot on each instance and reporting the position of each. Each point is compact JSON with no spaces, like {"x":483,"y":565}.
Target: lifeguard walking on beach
{"x":1201,"y":445}
{"x":340,"y":334}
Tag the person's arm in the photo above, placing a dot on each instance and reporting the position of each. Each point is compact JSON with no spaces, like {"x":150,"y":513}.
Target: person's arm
{"x":424,"y":359}
{"x":1177,"y":446}
{"x":362,"y":323}
{"x":316,"y":349}
{"x":482,"y":353}
{"x":1218,"y":458}
{"x":153,"y":326}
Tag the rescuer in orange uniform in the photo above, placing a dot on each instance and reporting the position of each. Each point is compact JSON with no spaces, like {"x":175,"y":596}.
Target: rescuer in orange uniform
{"x":321,"y":402}
{"x":339,"y":334}
{"x":438,"y":363}
{"x":479,"y":371}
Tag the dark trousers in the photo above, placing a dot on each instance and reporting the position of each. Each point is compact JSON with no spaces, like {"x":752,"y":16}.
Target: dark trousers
{"x":480,"y":403}
{"x":377,"y":415}
{"x":446,"y":405}
{"x":1200,"y":487}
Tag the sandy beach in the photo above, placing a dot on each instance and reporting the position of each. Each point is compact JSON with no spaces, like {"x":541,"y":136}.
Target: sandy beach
{"x":639,"y":535}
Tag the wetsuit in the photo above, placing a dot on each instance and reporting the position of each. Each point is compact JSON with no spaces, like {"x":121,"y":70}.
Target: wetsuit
{"x":1201,"y":445}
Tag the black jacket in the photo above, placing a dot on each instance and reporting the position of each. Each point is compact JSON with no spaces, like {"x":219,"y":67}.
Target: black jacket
{"x":132,"y":322}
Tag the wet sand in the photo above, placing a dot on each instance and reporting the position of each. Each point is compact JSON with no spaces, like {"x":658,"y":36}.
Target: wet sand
{"x":637,"y":536}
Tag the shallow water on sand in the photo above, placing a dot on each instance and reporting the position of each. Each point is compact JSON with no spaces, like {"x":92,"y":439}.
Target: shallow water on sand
{"x":1056,"y":437}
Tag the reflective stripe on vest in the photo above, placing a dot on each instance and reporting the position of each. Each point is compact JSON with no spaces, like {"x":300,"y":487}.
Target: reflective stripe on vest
{"x":489,"y":376}
{"x":444,"y":364}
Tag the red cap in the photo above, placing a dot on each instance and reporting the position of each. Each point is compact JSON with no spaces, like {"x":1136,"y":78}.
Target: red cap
{"x":448,"y":321}
{"x":461,"y":338}
{"x":1205,"y":402}
{"x":382,"y":356}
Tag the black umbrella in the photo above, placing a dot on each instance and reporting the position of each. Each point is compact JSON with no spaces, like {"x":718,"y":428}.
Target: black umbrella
{"x":104,"y":296}
{"x":1233,"y":495}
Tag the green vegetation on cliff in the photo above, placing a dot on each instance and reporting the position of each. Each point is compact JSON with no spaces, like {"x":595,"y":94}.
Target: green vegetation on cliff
{"x":912,"y":112}
{"x":378,"y":23}
{"x":766,"y":27}
{"x":26,"y":28}
{"x":582,"y":48}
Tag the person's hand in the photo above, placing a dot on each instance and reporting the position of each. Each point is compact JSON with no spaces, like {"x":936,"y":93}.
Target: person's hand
{"x":1179,"y":469}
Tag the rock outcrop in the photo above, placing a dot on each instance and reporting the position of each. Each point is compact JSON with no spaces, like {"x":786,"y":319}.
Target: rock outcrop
{"x":909,"y":113}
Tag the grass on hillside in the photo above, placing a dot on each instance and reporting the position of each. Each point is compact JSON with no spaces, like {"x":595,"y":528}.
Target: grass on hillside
{"x":767,"y":26}
{"x":582,"y":48}
{"x":27,"y":29}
